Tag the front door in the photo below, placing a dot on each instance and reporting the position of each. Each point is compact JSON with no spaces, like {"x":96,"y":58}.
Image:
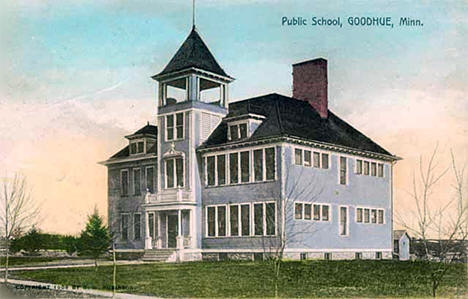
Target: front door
{"x":172,"y":231}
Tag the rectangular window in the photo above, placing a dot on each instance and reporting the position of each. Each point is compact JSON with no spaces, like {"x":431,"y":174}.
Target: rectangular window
{"x":307,"y":211}
{"x":270,"y":218}
{"x":316,"y":160}
{"x":359,"y":215}
{"x":221,"y":168}
{"x":136,"y":226}
{"x":124,"y":182}
{"x":180,"y":125}
{"x":234,"y":220}
{"x":141,"y":147}
{"x":373,"y":169}
{"x":298,"y":211}
{"x":378,"y":255}
{"x":380,"y":216}
{"x":258,"y":165}
{"x":298,"y":156}
{"x":358,"y":166}
{"x":307,"y":158}
{"x":136,"y":182}
{"x":270,"y":163}
{"x":327,"y":256}
{"x":316,"y":212}
{"x":366,"y":168}
{"x":150,"y":179}
{"x":325,"y":161}
{"x":133,"y":148}
{"x":374,"y":216}
{"x":210,"y":170}
{"x":222,"y":221}
{"x":343,"y":221}
{"x":234,"y":131}
{"x":234,"y":168}
{"x":124,"y":226}
{"x":180,"y":172}
{"x":243,"y":131}
{"x":380,"y":170}
{"x":245,"y":220}
{"x":151,"y":225}
{"x":358,"y":255}
{"x":258,"y":219}
{"x":170,"y":173}
{"x":211,"y":221}
{"x":343,"y":170}
{"x":170,"y":127}
{"x":325,"y":213}
{"x":245,"y":167}
{"x":366,"y":216}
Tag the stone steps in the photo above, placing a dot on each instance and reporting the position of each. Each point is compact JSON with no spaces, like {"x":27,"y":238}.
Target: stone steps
{"x":157,"y":255}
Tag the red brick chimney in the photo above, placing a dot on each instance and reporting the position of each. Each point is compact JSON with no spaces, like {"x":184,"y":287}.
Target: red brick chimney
{"x":310,"y":83}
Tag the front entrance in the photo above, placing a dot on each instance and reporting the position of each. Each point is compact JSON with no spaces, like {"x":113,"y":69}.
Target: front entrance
{"x":172,"y":231}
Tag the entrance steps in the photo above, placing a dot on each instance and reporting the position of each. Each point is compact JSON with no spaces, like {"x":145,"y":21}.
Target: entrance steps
{"x":159,"y":255}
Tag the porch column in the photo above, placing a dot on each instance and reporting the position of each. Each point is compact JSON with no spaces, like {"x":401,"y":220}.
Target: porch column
{"x":192,"y":229}
{"x":159,"y":238}
{"x":180,"y":237}
{"x":148,"y":239}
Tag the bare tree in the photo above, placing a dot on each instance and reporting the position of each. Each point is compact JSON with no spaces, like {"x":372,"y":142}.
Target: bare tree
{"x":444,"y":218}
{"x":18,"y":211}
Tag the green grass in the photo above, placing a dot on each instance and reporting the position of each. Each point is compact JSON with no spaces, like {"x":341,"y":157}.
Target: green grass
{"x":28,"y":260}
{"x":255,"y":279}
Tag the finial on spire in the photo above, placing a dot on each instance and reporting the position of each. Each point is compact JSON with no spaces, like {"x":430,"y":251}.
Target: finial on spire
{"x":193,"y":14}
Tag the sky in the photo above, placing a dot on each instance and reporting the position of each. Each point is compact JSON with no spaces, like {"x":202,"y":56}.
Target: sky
{"x":75,"y":79}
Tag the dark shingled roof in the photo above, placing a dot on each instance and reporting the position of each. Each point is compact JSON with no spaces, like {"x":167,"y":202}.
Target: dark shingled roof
{"x":193,"y":53}
{"x":286,"y":116}
{"x":148,"y":130}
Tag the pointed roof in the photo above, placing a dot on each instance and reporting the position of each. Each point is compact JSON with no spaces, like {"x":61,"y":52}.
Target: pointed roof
{"x":193,"y":53}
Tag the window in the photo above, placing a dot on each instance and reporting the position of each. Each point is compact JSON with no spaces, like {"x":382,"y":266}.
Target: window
{"x":137,"y":227}
{"x":366,"y":216}
{"x":258,"y":165}
{"x":316,"y":160}
{"x":325,"y":161}
{"x":178,"y":126}
{"x":366,"y":168}
{"x":141,"y":147}
{"x":221,"y":169}
{"x":234,"y":132}
{"x":234,"y":220}
{"x":343,"y":170}
{"x":136,"y":182}
{"x":343,"y":221}
{"x":298,"y":156}
{"x":325,"y":213}
{"x":378,"y":255}
{"x":380,"y":170}
{"x":374,"y":216}
{"x":237,"y":132}
{"x":358,"y":255}
{"x":258,"y":219}
{"x":211,"y":221}
{"x":373,"y":169}
{"x":381,"y":216}
{"x":133,"y":148}
{"x":307,"y":158}
{"x":221,"y":221}
{"x":327,"y":256}
{"x":245,"y":167}
{"x":303,"y":256}
{"x":298,"y":211}
{"x":270,"y":218}
{"x":124,"y":182}
{"x":174,"y":172}
{"x":358,"y":166}
{"x":245,"y":220}
{"x":210,"y":169}
{"x":124,"y":226}
{"x":150,"y":179}
{"x":316,"y":212}
{"x":243,"y":131}
{"x":359,"y":215}
{"x":307,"y":211}
{"x":234,"y":168}
{"x":270,"y":163}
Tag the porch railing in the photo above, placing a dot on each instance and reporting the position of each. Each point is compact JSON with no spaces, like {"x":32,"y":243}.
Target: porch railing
{"x":173,"y":195}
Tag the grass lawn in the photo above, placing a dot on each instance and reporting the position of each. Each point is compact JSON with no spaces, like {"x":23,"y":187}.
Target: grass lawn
{"x":255,"y":279}
{"x":27,"y":260}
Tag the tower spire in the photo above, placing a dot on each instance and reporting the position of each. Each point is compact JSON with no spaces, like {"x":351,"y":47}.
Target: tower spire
{"x":193,"y":13}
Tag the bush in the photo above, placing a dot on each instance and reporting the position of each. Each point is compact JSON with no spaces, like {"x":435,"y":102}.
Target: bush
{"x":34,"y":241}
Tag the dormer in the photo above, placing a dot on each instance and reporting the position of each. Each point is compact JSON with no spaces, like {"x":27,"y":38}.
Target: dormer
{"x":242,"y":126}
{"x":143,"y":140}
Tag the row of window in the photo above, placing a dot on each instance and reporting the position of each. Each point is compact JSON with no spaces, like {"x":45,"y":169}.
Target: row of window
{"x":357,"y":255}
{"x":311,"y":159}
{"x":137,"y":176}
{"x":307,"y":211}
{"x":365,"y":215}
{"x":257,"y":219}
{"x":125,"y":225}
{"x":369,"y":168}
{"x":175,"y":126}
{"x":137,"y":147}
{"x":235,"y":168}
{"x":238,"y":131}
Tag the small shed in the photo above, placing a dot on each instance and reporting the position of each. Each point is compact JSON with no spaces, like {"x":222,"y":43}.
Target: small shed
{"x":401,"y":245}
